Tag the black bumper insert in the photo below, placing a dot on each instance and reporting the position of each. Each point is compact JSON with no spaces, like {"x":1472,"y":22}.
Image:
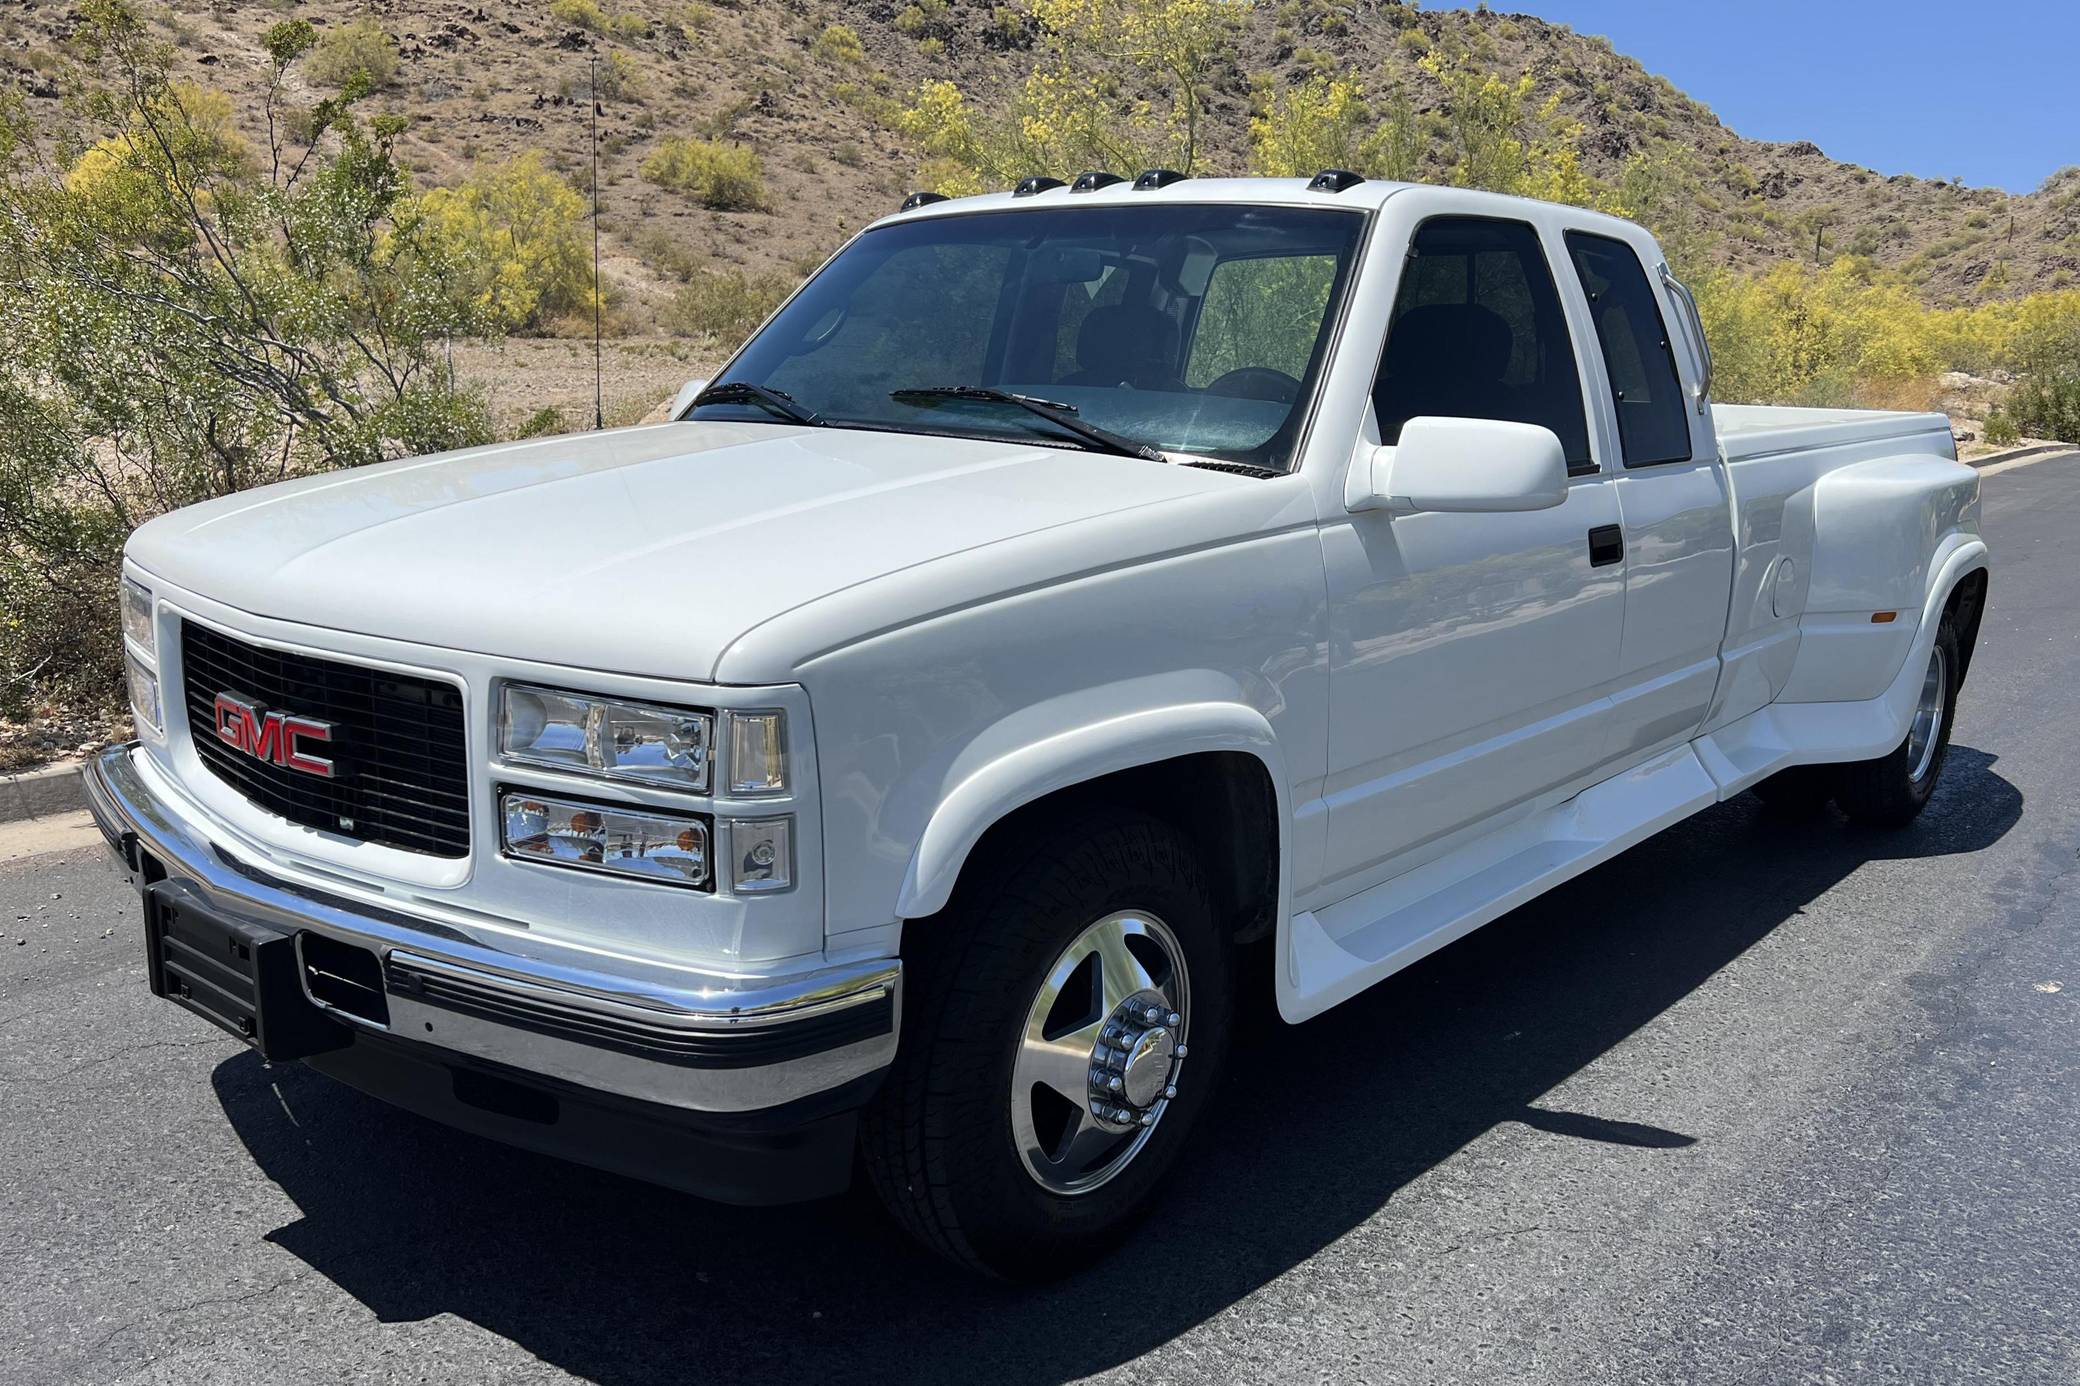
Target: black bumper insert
{"x":238,"y":975}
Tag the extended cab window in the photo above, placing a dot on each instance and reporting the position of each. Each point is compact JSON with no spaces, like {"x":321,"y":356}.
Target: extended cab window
{"x":1477,"y":333}
{"x":1190,"y":328}
{"x":1653,"y":425}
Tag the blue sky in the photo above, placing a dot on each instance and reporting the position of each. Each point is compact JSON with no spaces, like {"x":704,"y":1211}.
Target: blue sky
{"x":1987,"y":91}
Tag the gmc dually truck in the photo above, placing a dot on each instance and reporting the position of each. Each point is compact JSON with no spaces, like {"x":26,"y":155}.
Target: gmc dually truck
{"x":1075,"y":610}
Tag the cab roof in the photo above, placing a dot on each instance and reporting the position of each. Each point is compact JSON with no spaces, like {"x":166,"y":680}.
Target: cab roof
{"x":1366,"y":195}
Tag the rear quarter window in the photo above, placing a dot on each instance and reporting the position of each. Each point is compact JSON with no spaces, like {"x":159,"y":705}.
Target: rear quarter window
{"x":1646,"y":388}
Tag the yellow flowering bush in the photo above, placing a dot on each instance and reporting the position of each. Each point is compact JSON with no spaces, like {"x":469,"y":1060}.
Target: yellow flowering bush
{"x":520,"y":230}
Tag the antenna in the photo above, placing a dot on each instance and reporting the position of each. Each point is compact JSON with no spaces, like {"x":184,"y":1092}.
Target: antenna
{"x":599,"y":398}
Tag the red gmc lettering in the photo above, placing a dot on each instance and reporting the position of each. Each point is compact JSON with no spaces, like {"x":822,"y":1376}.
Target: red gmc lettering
{"x":272,"y":736}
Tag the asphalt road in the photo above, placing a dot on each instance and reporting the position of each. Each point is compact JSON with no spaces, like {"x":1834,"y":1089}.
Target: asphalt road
{"x":1757,"y":1102}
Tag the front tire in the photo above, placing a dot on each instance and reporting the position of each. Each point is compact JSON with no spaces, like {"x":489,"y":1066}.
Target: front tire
{"x":1891,"y":790}
{"x":1066,"y":1023}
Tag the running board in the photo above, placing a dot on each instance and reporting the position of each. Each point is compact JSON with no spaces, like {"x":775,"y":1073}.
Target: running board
{"x":1336,"y":952}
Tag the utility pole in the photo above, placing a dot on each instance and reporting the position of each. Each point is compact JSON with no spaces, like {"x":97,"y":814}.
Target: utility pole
{"x":599,"y":395}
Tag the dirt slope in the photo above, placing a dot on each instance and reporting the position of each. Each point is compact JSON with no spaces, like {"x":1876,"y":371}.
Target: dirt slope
{"x":484,"y":81}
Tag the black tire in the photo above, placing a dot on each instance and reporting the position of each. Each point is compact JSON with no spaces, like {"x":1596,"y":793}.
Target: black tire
{"x":937,"y":1142}
{"x":1803,"y":791}
{"x":1885,"y":792}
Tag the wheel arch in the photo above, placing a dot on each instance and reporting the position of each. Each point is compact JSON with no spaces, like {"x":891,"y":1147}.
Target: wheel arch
{"x":1212,"y":770}
{"x":1965,"y":606}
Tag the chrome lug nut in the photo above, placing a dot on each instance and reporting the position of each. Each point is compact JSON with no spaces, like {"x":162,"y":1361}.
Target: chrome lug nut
{"x":1170,"y":1091}
{"x":1178,"y":1053}
{"x":1153,"y":1016}
{"x":1113,"y":1082}
{"x":1172,"y":1018}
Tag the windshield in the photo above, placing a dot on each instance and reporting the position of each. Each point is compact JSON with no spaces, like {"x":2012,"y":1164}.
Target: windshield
{"x":1194,"y":329}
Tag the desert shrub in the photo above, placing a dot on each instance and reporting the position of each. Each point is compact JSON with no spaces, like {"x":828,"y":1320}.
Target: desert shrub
{"x":726,"y":177}
{"x":360,"y":49}
{"x":1324,"y":123}
{"x":2047,"y":405}
{"x":586,"y":14}
{"x":2000,"y":427}
{"x":546,"y":420}
{"x":839,"y":44}
{"x":1115,"y":84}
{"x":185,"y":318}
{"x":517,"y":229}
{"x":1314,"y":125}
{"x":620,"y":79}
{"x":693,"y":19}
{"x":725,"y":304}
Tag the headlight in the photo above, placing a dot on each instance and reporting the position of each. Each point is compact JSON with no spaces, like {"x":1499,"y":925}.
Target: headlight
{"x":137,"y":618}
{"x":757,"y":752}
{"x":615,"y":740}
{"x":668,"y":848}
{"x":144,"y":691}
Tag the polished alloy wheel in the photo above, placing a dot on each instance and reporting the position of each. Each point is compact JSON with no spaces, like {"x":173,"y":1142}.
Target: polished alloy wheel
{"x":1102,"y":1052}
{"x":1923,"y":735}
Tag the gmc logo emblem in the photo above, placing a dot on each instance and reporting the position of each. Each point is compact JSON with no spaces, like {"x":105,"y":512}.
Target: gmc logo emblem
{"x":277,"y":737}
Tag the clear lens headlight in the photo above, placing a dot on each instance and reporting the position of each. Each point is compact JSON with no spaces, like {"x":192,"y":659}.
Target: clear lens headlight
{"x":757,"y":752}
{"x":144,"y":691}
{"x":137,"y":617}
{"x":761,"y":854}
{"x":606,"y":737}
{"x":661,"y":847}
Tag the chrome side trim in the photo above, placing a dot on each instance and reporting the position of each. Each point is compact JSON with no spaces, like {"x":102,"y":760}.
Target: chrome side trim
{"x":842,"y":992}
{"x":564,"y":992}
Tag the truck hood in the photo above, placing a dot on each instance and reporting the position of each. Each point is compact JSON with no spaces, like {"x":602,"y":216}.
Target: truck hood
{"x":638,"y":551}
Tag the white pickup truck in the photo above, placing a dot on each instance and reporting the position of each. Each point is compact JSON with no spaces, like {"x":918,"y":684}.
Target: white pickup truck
{"x":1075,"y":610}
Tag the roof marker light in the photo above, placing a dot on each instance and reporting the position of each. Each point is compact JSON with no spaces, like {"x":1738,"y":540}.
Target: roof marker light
{"x":920,"y":199}
{"x":1153,"y":178}
{"x":1090,"y":180}
{"x":1334,"y":180}
{"x":1035,"y":183}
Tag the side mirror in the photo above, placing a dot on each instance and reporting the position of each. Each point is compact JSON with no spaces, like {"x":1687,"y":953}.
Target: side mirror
{"x":1468,"y":465}
{"x":686,"y":394}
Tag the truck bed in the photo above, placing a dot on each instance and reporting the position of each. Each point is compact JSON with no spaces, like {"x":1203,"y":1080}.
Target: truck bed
{"x":1762,"y":430}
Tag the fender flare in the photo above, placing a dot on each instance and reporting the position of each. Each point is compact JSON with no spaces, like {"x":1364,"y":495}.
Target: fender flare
{"x":1072,"y":757}
{"x":1961,"y":554}
{"x":1822,"y":733}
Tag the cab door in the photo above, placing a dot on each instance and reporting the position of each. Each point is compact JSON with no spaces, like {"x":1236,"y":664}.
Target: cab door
{"x":1471,"y":654}
{"x":1673,"y":499}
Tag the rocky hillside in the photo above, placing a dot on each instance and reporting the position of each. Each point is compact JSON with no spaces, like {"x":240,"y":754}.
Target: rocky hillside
{"x":486,"y":82}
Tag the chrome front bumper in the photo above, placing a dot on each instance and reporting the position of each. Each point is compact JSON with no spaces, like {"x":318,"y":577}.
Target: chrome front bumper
{"x":695,"y":1041}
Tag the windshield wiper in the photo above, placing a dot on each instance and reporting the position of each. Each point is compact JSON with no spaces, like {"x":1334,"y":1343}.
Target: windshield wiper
{"x":744,"y":392}
{"x":1062,"y":416}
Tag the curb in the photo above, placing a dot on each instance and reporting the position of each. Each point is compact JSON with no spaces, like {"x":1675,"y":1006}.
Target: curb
{"x":2016,"y":454}
{"x":40,"y":793}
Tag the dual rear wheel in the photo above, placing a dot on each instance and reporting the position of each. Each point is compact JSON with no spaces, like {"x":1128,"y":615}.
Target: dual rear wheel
{"x":1888,"y":791}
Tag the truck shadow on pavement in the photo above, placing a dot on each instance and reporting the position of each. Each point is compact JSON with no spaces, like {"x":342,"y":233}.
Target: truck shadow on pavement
{"x":1317,"y":1129}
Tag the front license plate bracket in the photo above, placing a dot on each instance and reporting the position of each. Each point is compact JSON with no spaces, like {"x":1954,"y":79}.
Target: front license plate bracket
{"x":239,"y":975}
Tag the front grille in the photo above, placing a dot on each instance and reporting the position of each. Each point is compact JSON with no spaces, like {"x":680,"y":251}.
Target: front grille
{"x":403,"y":776}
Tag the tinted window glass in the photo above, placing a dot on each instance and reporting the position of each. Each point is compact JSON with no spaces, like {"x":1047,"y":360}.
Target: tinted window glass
{"x":1260,"y":315}
{"x":1653,"y":421}
{"x":1478,"y":333}
{"x":1193,"y":328}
